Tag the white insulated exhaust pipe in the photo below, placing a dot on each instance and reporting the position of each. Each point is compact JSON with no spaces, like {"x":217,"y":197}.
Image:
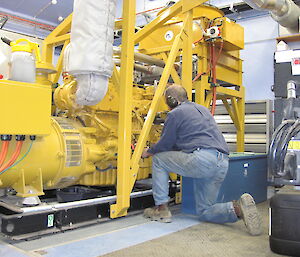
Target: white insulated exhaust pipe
{"x":285,"y":12}
{"x":90,"y":58}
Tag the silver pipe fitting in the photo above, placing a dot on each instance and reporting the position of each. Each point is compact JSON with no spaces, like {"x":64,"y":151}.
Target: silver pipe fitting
{"x":291,"y":89}
{"x":81,"y":203}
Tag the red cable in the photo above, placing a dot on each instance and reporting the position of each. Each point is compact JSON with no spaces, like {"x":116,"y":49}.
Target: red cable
{"x":14,"y":156}
{"x":214,"y":80}
{"x":3,"y":153}
{"x":208,"y":69}
{"x":209,"y":66}
{"x":197,"y":41}
{"x":41,"y":25}
{"x":215,"y":61}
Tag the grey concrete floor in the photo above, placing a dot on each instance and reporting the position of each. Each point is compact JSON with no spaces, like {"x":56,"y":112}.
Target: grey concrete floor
{"x":209,"y":240}
{"x":203,"y":239}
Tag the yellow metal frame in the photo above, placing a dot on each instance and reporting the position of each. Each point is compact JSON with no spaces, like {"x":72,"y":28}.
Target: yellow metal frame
{"x":127,"y":171}
{"x":128,"y":164}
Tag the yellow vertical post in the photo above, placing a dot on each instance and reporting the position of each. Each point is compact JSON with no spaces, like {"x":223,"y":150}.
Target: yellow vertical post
{"x":187,"y":54}
{"x":174,"y":73}
{"x":125,"y":110}
{"x":155,"y":102}
{"x":49,"y":42}
{"x":202,"y":83}
{"x":240,"y":135}
{"x":59,"y":65}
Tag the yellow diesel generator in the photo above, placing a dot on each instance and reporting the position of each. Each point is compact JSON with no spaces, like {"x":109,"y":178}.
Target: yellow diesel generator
{"x":73,"y":126}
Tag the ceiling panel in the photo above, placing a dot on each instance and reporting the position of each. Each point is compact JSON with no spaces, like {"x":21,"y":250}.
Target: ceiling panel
{"x":42,"y":9}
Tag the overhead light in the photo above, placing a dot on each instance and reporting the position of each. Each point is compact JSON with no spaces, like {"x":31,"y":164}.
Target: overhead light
{"x":54,"y":2}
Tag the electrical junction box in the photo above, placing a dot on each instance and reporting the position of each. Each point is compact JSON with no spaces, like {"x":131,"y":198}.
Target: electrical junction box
{"x":247,"y":173}
{"x":25,"y":108}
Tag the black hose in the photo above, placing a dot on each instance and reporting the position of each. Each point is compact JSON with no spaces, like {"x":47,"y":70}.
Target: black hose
{"x":294,"y":130}
{"x":274,"y":144}
{"x":6,"y":40}
{"x":110,"y":167}
{"x":279,"y":145}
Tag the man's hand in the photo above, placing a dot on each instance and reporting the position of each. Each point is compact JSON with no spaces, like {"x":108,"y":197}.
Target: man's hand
{"x":145,"y":153}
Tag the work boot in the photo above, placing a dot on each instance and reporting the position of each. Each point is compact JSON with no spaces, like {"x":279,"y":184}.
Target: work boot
{"x":158,"y":213}
{"x":245,"y":209}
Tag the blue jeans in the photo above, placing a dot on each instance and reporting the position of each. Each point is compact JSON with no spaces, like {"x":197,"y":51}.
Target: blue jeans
{"x":208,"y":167}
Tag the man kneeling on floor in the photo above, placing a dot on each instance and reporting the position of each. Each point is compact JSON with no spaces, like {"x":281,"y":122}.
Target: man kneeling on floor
{"x":191,"y":145}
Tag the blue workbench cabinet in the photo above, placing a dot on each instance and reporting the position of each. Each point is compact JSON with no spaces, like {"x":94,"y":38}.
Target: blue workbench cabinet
{"x":247,"y":173}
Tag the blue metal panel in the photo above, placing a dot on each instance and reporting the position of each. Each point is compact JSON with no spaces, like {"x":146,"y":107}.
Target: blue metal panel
{"x":246,"y":174}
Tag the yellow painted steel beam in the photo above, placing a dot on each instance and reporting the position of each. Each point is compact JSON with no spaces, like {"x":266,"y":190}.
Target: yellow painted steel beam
{"x":155,"y":102}
{"x":59,"y":40}
{"x":188,"y":5}
{"x":61,"y":29}
{"x":228,"y":75}
{"x":235,"y":111}
{"x":241,"y":114}
{"x":125,"y":178}
{"x":59,"y":65}
{"x":115,"y":76}
{"x":228,"y":107}
{"x":174,"y":73}
{"x":226,"y":91}
{"x":156,"y":50}
{"x":201,"y":85}
{"x":208,"y":99}
{"x":165,"y":16}
{"x":118,"y":24}
{"x":199,"y":91}
{"x":187,"y":54}
{"x":158,"y":21}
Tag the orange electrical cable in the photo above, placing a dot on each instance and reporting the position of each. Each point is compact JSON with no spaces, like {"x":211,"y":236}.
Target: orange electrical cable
{"x":197,"y":41}
{"x":214,"y":75}
{"x":14,"y":156}
{"x":30,"y":22}
{"x":214,"y":79}
{"x":209,"y":65}
{"x":2,"y":150}
{"x":3,"y":153}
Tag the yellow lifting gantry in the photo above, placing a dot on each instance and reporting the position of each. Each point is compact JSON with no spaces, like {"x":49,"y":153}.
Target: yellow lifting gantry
{"x":185,"y":40}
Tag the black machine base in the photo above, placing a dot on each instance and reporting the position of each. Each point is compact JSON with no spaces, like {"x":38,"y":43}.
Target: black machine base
{"x":18,"y":226}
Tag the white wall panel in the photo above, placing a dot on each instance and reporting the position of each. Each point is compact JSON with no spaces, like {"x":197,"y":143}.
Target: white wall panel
{"x":258,"y":56}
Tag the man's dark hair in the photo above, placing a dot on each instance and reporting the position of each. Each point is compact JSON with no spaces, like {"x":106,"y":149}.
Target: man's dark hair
{"x":176,"y":91}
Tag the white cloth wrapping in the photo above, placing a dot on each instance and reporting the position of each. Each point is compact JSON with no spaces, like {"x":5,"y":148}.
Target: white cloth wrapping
{"x":66,"y":57}
{"x":91,"y":48}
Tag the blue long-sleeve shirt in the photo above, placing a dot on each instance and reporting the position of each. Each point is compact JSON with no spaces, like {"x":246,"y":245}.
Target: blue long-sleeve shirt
{"x":188,"y":127}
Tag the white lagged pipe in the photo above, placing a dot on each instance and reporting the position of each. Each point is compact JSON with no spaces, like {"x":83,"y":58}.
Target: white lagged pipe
{"x":285,"y":12}
{"x":91,"y":48}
